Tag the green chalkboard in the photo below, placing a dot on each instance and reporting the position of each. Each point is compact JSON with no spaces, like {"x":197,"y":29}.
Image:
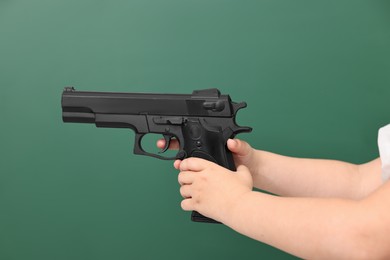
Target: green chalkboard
{"x":315,"y":75}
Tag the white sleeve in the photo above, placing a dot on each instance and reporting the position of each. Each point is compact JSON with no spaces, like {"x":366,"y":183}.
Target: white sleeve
{"x":384,"y":150}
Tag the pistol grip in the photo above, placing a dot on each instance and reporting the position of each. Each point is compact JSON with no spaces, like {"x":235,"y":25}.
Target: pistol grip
{"x":205,"y":141}
{"x":196,"y":216}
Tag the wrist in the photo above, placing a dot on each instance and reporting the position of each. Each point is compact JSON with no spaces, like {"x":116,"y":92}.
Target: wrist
{"x":234,"y":208}
{"x":259,"y":164}
{"x":252,"y":161}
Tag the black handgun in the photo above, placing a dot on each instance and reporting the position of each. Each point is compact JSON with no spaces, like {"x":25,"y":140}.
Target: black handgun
{"x":201,"y":122}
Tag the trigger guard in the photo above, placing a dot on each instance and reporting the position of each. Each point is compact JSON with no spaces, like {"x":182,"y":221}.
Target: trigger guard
{"x":140,"y":151}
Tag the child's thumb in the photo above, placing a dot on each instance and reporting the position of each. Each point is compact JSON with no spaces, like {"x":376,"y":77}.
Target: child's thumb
{"x":244,"y":173}
{"x":239,"y":147}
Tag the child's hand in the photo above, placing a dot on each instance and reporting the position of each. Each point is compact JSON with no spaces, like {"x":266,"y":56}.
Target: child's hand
{"x":210,"y":189}
{"x":243,"y":153}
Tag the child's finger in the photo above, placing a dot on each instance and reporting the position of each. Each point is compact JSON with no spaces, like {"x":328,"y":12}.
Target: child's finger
{"x":244,"y":173}
{"x":187,"y":204}
{"x":239,"y":147}
{"x":174,"y":145}
{"x":195,"y":164}
{"x":185,"y":178}
{"x":176,"y":164}
{"x":185,"y":191}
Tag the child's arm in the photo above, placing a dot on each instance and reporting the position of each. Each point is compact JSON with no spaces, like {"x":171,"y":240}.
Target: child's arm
{"x":289,"y":176}
{"x":306,"y":227}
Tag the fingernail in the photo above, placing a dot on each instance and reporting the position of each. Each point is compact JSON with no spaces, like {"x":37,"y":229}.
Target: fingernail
{"x":232,"y":142}
{"x":176,"y":164}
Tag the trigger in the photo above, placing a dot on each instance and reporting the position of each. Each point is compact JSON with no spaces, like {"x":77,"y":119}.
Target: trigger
{"x":167,"y":139}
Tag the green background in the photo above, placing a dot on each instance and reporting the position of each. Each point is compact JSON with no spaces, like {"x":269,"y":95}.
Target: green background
{"x":315,"y":75}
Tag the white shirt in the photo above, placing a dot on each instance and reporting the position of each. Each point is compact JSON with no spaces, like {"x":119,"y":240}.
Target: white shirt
{"x":384,"y":150}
